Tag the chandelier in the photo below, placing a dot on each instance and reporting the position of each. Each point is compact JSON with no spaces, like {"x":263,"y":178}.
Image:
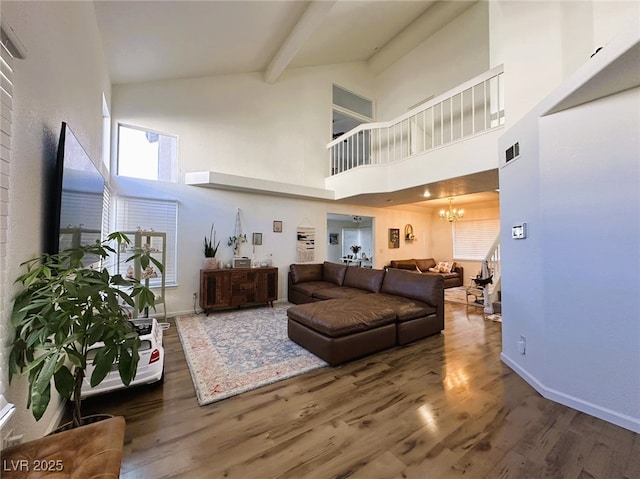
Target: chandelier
{"x":452,"y":214}
{"x":357,"y":219}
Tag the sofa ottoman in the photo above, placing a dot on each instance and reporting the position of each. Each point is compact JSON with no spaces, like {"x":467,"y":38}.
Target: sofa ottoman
{"x":339,"y":330}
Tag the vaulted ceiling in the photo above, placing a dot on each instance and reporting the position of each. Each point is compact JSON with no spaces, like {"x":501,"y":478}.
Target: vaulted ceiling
{"x":150,"y":40}
{"x":154,"y":40}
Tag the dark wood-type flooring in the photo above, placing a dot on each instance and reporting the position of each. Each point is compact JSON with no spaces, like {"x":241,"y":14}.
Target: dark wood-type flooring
{"x":444,"y":407}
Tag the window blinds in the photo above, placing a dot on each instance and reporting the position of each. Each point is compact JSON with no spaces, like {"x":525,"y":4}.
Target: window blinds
{"x":133,"y":214}
{"x":6,"y":115}
{"x":473,"y":238}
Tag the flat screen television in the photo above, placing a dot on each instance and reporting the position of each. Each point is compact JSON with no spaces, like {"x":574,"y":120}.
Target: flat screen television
{"x":78,"y":196}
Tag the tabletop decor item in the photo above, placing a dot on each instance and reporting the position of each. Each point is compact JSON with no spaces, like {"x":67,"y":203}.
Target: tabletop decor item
{"x":211,"y":249}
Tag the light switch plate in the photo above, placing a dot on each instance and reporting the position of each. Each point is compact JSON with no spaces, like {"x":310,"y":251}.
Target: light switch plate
{"x":519,"y":231}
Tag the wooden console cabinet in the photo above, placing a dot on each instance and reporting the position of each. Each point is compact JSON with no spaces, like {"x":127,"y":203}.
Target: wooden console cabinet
{"x":226,"y":288}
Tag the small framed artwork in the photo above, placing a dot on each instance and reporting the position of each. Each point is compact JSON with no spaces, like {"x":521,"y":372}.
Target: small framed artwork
{"x":333,"y":238}
{"x":277,"y":226}
{"x":257,"y":239}
{"x":394,"y":238}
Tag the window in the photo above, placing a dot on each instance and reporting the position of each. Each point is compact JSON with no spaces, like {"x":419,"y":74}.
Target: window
{"x":146,"y":154}
{"x":10,"y":49}
{"x":349,"y":111}
{"x":351,"y":102}
{"x":472,"y":239}
{"x":150,"y":214}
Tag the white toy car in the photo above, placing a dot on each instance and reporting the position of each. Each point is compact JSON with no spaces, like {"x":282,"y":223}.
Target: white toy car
{"x":150,"y":365}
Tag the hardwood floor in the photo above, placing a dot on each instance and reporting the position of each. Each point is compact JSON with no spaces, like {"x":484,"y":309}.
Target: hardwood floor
{"x":444,"y":407}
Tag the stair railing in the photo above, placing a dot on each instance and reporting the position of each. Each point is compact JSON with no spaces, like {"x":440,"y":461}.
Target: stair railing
{"x":493,"y":262}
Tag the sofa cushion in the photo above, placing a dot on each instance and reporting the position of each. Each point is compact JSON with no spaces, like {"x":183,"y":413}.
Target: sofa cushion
{"x":305,"y":272}
{"x":367,"y":279}
{"x":340,"y":317}
{"x":425,"y":264}
{"x":409,"y":264}
{"x":334,"y":272}
{"x":405,"y":308}
{"x":339,"y":292}
{"x":311,"y":287}
{"x":428,"y":288}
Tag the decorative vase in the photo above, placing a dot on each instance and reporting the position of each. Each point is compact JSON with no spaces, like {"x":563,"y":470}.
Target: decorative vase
{"x":210,"y":263}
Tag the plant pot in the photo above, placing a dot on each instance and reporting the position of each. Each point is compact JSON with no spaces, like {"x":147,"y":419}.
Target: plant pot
{"x":210,"y":263}
{"x":86,"y":420}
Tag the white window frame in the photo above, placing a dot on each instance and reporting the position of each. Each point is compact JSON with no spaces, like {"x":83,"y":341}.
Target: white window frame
{"x":473,"y":238}
{"x":167,"y":172}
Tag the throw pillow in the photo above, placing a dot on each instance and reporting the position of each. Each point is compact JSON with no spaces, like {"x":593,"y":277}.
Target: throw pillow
{"x":434,"y":270}
{"x":445,"y":266}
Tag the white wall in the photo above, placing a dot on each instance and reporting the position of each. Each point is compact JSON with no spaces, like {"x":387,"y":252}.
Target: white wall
{"x":454,"y":54}
{"x":576,"y":167}
{"x":238,"y":124}
{"x":542,"y":43}
{"x":580,"y":321}
{"x":62,"y":79}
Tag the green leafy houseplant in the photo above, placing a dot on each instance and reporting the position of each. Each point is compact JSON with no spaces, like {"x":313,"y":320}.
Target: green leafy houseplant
{"x":210,"y":251}
{"x":235,"y":241}
{"x":62,"y":310}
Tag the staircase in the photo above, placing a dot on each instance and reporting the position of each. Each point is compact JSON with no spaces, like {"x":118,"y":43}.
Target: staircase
{"x":492,"y":293}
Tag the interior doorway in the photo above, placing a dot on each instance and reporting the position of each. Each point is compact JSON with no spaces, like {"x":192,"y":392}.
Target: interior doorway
{"x":345,"y":234}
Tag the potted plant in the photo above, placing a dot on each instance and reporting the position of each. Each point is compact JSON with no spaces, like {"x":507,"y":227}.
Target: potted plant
{"x":65,"y":308}
{"x":210,"y":250}
{"x":355,"y":248}
{"x":236,"y":241}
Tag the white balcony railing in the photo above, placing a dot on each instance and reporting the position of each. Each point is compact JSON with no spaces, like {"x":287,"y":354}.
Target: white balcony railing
{"x":468,"y":109}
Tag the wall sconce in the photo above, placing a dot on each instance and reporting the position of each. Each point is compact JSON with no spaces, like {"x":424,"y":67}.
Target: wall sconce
{"x":408,"y":233}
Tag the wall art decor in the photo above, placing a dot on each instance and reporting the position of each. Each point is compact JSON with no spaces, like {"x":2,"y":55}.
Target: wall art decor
{"x":333,"y":238}
{"x":277,"y":226}
{"x":394,"y":238}
{"x":256,"y":239}
{"x":306,"y":244}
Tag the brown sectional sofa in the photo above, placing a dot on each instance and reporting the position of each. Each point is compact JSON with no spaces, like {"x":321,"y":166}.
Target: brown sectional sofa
{"x":342,"y":313}
{"x":455,"y":278}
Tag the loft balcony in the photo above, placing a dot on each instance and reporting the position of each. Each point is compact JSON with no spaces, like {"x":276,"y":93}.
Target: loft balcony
{"x":450,"y":136}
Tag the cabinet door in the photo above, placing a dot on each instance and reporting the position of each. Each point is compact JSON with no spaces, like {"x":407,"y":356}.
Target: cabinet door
{"x":267,"y":285}
{"x":214,"y":289}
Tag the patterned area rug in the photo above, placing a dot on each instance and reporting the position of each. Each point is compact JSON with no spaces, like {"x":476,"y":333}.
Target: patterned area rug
{"x":458,"y":295}
{"x":231,"y":352}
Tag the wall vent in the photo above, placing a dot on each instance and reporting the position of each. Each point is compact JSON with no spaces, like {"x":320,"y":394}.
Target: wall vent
{"x":512,"y":152}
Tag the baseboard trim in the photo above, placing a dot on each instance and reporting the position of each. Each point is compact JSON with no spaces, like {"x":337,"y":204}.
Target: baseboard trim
{"x":622,"y":420}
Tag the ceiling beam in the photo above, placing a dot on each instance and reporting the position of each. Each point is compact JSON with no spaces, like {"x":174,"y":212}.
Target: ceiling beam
{"x":433,"y":19}
{"x":315,"y":13}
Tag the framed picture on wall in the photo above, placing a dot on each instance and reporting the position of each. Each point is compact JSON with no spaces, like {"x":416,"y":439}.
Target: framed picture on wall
{"x":277,"y":226}
{"x":257,"y":239}
{"x":394,"y":238}
{"x":333,"y":238}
